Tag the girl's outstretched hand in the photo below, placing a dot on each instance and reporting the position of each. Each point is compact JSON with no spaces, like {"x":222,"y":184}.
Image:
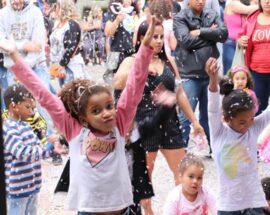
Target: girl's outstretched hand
{"x":150,"y":31}
{"x":8,"y":46}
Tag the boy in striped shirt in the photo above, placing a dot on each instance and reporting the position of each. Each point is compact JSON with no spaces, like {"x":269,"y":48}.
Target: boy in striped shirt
{"x":23,"y":152}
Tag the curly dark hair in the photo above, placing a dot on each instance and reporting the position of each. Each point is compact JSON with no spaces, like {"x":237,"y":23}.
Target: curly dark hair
{"x":16,"y":93}
{"x":236,"y":101}
{"x":75,"y":96}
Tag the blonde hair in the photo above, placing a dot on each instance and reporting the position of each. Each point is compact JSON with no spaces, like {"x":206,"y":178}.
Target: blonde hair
{"x":68,"y":10}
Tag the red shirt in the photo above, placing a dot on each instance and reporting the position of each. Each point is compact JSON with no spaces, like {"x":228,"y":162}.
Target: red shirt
{"x":259,"y":61}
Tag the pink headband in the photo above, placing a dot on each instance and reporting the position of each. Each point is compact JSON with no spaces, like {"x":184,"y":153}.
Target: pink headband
{"x":236,"y":69}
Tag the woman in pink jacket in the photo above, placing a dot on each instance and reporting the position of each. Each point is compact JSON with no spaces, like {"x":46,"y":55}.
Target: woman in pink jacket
{"x":255,"y":37}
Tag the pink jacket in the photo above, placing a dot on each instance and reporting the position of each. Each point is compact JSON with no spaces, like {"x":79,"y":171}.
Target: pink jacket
{"x":248,"y":29}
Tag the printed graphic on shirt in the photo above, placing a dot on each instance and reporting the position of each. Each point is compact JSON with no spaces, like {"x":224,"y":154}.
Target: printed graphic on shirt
{"x":261,"y":35}
{"x":96,"y":149}
{"x":231,"y":156}
{"x":19,"y":30}
{"x":199,"y":210}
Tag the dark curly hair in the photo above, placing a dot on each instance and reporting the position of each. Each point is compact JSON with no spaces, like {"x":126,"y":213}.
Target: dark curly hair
{"x":234,"y":101}
{"x":75,"y":96}
{"x":16,"y":93}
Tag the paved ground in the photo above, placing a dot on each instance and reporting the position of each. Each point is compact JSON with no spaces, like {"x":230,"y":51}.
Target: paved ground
{"x":50,"y":204}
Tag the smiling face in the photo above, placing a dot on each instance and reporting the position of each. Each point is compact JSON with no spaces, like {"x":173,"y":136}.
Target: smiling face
{"x":240,"y":80}
{"x":100,"y":112}
{"x":158,"y":39}
{"x":241,"y":122}
{"x":191,"y":180}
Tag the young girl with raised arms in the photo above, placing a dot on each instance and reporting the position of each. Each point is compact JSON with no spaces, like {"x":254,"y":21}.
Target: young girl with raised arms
{"x":233,"y":141}
{"x":85,"y":114}
{"x":190,"y":197}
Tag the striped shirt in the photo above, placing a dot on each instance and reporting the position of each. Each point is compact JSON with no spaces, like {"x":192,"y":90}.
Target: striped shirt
{"x":23,"y":153}
{"x":37,"y":122}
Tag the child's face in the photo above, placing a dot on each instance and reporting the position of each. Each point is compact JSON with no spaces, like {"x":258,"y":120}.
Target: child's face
{"x":191,"y":180}
{"x":242,"y":121}
{"x":240,"y":80}
{"x":23,"y":110}
{"x":100,"y":112}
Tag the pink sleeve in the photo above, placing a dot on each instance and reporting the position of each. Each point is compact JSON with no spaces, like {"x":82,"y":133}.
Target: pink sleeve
{"x":132,"y":94}
{"x":171,"y":206}
{"x":62,"y":120}
{"x":211,"y":201}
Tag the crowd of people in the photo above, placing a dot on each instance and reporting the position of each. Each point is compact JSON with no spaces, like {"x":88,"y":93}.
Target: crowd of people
{"x":163,"y":58}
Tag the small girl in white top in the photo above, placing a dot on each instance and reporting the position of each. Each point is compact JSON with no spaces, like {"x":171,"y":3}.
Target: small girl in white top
{"x":190,"y":198}
{"x":234,"y":145}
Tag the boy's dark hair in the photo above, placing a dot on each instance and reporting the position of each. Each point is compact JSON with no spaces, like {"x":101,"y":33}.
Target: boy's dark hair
{"x":75,"y":96}
{"x":189,"y":160}
{"x":15,"y":94}
{"x":266,"y":187}
{"x":234,"y":101}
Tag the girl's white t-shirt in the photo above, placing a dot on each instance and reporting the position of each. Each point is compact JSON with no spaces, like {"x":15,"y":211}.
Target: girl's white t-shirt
{"x":235,"y":155}
{"x":101,"y":184}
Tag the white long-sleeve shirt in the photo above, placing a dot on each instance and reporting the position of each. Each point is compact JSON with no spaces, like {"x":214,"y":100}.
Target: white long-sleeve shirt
{"x":235,"y":155}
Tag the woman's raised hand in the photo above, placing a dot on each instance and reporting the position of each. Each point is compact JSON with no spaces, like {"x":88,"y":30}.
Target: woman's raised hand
{"x":150,"y":31}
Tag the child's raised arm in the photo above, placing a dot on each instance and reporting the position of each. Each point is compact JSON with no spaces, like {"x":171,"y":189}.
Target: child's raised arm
{"x":211,"y":67}
{"x":132,"y":94}
{"x":62,"y":120}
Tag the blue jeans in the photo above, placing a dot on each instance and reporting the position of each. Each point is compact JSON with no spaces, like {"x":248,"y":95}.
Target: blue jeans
{"x":262,"y":89}
{"x":228,"y":54}
{"x":4,"y":84}
{"x":22,"y":206}
{"x":249,"y":211}
{"x":196,"y":90}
